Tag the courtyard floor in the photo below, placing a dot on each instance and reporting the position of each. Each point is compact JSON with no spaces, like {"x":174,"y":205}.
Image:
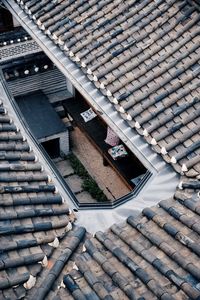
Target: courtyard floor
{"x":106,"y":178}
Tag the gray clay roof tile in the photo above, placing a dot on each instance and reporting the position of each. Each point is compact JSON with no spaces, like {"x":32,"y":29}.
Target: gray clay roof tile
{"x":145,"y":56}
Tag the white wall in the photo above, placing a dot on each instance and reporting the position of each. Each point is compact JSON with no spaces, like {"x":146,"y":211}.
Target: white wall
{"x":15,"y":22}
{"x":70,"y":87}
{"x":64,"y":142}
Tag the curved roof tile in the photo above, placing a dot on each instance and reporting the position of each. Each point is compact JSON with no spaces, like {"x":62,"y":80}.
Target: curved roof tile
{"x":142,"y":55}
{"x":32,"y":213}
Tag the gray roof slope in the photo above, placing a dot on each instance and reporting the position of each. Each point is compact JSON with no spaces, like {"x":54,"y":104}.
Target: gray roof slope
{"x":144,"y":56}
{"x":32,"y":213}
{"x":153,"y":256}
{"x":40,"y":115}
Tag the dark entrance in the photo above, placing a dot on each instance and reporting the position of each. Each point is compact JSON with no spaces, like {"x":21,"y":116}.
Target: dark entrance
{"x":6,"y":21}
{"x":52,"y":148}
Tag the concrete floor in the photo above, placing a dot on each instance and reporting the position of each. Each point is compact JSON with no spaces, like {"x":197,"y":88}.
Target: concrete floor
{"x":107,"y":179}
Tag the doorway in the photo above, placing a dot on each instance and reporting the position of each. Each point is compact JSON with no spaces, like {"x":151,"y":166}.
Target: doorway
{"x":6,"y":20}
{"x":52,"y":147}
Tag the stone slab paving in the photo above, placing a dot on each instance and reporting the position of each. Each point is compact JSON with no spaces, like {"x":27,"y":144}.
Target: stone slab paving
{"x":106,"y":178}
{"x":75,"y":183}
{"x":73,"y":180}
{"x":85,"y":197}
{"x":65,"y":168}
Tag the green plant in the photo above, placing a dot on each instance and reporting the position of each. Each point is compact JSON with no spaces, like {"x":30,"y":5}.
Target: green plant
{"x":77,"y":166}
{"x":91,"y":187}
{"x":89,"y":183}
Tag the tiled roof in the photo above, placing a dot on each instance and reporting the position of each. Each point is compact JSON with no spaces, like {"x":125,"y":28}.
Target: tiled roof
{"x":152,"y":256}
{"x":33,"y":216}
{"x":154,"y":76}
{"x":144,"y":56}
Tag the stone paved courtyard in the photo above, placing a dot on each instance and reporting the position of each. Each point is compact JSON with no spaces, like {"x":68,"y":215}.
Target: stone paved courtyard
{"x":74,"y":181}
{"x":106,"y":178}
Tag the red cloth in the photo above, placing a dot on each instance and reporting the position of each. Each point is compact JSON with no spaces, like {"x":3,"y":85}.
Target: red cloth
{"x":111,"y":139}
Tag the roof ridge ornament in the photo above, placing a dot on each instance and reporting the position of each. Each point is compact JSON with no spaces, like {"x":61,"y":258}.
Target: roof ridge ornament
{"x":114,"y":100}
{"x":49,"y":179}
{"x":121,"y":109}
{"x":83,"y":64}
{"x":108,"y":93}
{"x":180,"y":186}
{"x":42,"y":27}
{"x":62,"y":285}
{"x":173,"y":160}
{"x":184,"y":168}
{"x":39,"y":23}
{"x":66,"y":48}
{"x":30,"y":283}
{"x":76,"y":58}
{"x":60,"y":41}
{"x":44,"y":262}
{"x":95,"y":78}
{"x":71,"y":54}
{"x":56,"y":190}
{"x":153,"y":142}
{"x":74,"y":267}
{"x":145,"y":132}
{"x":55,"y":243}
{"x":69,"y":227}
{"x":54,"y":36}
{"x":163,"y":151}
{"x":102,"y":86}
{"x":137,"y":125}
{"x":89,"y":71}
{"x":128,"y":117}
